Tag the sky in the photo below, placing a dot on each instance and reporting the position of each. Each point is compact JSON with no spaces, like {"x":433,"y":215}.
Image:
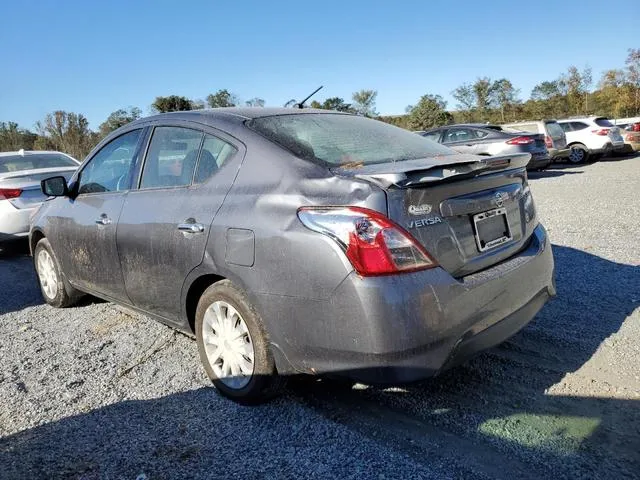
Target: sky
{"x":94,"y":57}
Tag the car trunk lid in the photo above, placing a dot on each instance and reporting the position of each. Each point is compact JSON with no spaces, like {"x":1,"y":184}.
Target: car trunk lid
{"x":29,"y":182}
{"x":456,"y":208}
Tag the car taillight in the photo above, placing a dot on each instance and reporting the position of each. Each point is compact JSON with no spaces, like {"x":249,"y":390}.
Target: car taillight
{"x":632,"y":137}
{"x":602,"y":132}
{"x":373,"y":244}
{"x":548,"y":142}
{"x":9,"y":193}
{"x":521,"y":141}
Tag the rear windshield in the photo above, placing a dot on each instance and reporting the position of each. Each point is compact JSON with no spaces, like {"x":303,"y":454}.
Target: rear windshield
{"x":603,"y":122}
{"x":554,"y":129}
{"x":345,"y":139}
{"x":16,"y":163}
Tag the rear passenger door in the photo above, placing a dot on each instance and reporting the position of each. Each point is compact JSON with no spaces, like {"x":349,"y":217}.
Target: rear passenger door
{"x":165,"y":222}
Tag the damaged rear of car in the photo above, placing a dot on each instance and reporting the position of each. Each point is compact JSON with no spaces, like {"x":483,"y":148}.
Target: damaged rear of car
{"x":446,"y":253}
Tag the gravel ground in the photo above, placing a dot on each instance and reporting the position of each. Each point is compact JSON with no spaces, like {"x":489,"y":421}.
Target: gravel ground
{"x":91,"y":392}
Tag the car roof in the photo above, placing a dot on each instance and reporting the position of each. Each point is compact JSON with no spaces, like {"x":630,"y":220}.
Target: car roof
{"x":24,"y":153}
{"x":207,"y":115}
{"x":475,"y":125}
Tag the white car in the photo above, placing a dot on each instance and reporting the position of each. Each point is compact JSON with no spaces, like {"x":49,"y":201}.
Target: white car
{"x":591,"y":137}
{"x":20,"y":193}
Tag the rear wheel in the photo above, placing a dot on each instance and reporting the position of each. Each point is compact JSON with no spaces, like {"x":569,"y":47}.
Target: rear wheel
{"x":578,"y":154}
{"x":233,"y":345}
{"x":54,"y":289}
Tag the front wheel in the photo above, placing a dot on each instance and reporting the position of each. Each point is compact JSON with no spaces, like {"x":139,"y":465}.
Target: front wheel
{"x":50,"y":278}
{"x":233,"y":345}
{"x":578,"y":154}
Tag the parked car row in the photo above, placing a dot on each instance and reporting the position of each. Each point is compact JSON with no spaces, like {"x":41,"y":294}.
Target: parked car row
{"x":576,"y":139}
{"x":545,"y":141}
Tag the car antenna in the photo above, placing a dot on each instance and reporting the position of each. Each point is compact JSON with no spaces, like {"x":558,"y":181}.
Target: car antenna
{"x":301,"y":104}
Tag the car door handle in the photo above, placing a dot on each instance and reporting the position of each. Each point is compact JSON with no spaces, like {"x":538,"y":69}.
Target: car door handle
{"x":103,"y":220}
{"x":191,"y":227}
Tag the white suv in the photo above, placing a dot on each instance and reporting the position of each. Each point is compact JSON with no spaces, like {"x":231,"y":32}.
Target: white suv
{"x":591,"y":137}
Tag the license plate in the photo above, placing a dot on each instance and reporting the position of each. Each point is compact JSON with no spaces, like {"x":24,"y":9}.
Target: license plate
{"x":491,"y":229}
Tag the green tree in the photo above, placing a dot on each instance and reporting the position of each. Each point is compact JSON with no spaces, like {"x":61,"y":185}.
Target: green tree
{"x":614,"y":97}
{"x":364,"y":102}
{"x":465,"y":96}
{"x":484,"y":91}
{"x":333,"y":103}
{"x":587,"y":82}
{"x":14,"y":138}
{"x":67,"y":132}
{"x":172,"y":103}
{"x":255,"y":102}
{"x":547,"y":100}
{"x":633,"y":76}
{"x":574,"y":89}
{"x":506,"y":96}
{"x":118,"y":119}
{"x":222,"y":98}
{"x":429,"y":112}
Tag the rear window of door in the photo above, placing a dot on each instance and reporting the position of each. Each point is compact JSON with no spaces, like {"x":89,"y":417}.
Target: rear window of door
{"x":215,"y":153}
{"x":576,"y":126}
{"x":171,"y":157}
{"x":554,"y":130}
{"x":110,"y":169}
{"x":455,"y":135}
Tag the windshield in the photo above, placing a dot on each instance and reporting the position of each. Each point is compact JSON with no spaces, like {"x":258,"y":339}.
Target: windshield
{"x":339,"y":140}
{"x":17,"y":163}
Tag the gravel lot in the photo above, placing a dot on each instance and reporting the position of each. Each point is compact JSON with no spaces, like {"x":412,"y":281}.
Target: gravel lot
{"x":92,"y":392}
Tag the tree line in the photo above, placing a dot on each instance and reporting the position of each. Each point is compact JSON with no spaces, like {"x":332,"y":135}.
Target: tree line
{"x":616,"y":94}
{"x":572,"y":93}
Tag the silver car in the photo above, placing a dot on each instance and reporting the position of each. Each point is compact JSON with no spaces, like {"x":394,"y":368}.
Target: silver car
{"x":20,"y":193}
{"x":485,"y":139}
{"x":299,"y":241}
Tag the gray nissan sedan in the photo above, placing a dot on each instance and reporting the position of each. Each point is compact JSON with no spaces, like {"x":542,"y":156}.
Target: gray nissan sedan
{"x":294,"y":241}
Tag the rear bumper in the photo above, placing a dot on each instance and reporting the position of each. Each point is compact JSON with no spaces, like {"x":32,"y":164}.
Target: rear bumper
{"x":409,"y":327}
{"x":14,"y":222}
{"x":537,"y":162}
{"x":557,"y":154}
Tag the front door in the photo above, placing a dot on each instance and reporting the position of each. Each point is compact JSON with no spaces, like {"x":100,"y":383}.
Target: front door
{"x":85,"y":225}
{"x":164,"y":225}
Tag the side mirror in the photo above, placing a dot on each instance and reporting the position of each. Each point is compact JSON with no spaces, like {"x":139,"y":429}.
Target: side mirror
{"x":55,"y":187}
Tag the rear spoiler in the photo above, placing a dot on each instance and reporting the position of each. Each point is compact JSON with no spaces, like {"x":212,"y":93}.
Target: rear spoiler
{"x":408,"y":173}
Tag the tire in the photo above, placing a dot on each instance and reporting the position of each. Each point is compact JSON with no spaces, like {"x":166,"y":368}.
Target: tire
{"x":55,"y":291}
{"x":579,"y":154}
{"x":248,"y":374}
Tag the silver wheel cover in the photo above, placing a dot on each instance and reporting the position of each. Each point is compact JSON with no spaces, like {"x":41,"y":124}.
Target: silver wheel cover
{"x":47,"y":274}
{"x":228,"y":345}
